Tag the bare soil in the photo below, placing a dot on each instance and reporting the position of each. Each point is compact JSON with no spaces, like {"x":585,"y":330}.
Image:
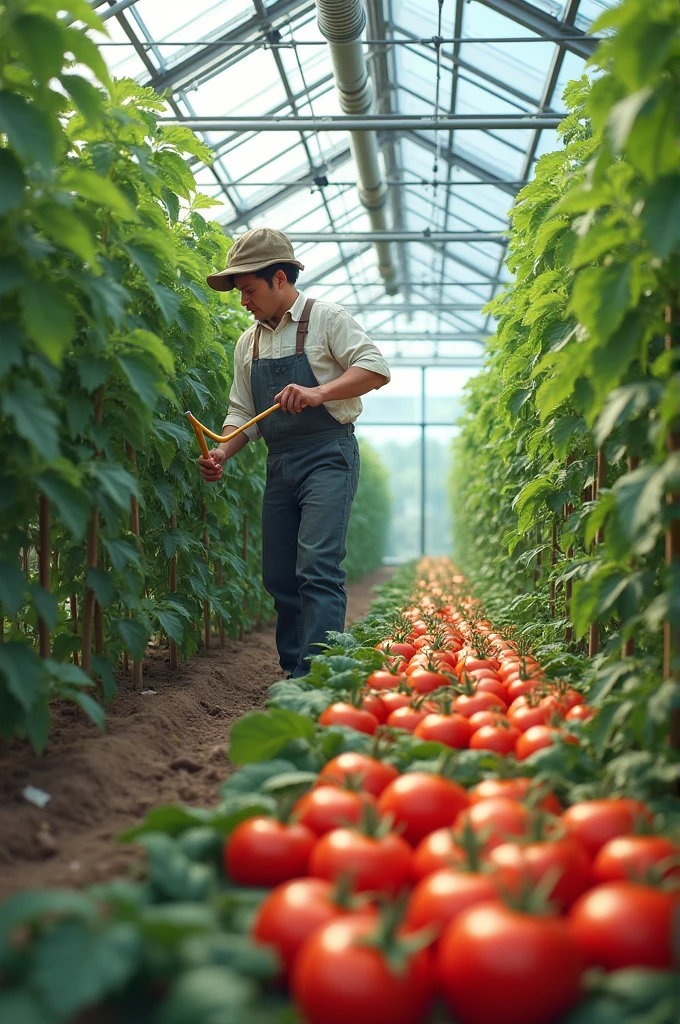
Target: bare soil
{"x":162,"y":747}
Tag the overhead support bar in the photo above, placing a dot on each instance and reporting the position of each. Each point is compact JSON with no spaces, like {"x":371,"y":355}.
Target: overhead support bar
{"x":122,"y":5}
{"x":414,"y":307}
{"x":460,"y":362}
{"x":545,"y":25}
{"x":368,"y":123}
{"x":397,"y":236}
{"x":477,"y":336}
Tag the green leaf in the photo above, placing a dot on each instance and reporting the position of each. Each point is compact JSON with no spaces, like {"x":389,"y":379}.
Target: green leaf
{"x":74,"y":967}
{"x":37,"y":723}
{"x":22,"y":1007}
{"x":623,"y":115}
{"x":12,"y":346}
{"x":48,"y":318}
{"x":29,"y":131}
{"x":208,"y":995}
{"x":602,"y":297}
{"x":67,"y":229}
{"x":115,"y":481}
{"x":122,"y":553}
{"x":171,"y":623}
{"x":134,"y":635}
{"x":624,"y":403}
{"x":251,"y":777}
{"x":24,"y":908}
{"x":12,"y":182}
{"x":167,"y":301}
{"x":174,"y":821}
{"x":45,"y":605}
{"x":166,"y":496}
{"x":40,"y":45}
{"x":102,"y":584}
{"x":71,"y":502}
{"x":652,"y":145}
{"x":86,"y":97}
{"x":12,"y":588}
{"x":11,"y":274}
{"x":103,"y":154}
{"x":34,"y":421}
{"x":258,"y":736}
{"x":102,"y":191}
{"x":86,"y":51}
{"x":171,"y":923}
{"x":660,"y":216}
{"x":143,"y":376}
{"x":23,"y":672}
{"x":154,"y":346}
{"x":171,"y":203}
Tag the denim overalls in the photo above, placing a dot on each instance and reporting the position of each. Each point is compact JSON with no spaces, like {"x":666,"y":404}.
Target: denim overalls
{"x":312,"y":477}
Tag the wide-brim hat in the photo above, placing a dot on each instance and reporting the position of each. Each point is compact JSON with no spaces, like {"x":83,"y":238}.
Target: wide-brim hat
{"x":254,"y":250}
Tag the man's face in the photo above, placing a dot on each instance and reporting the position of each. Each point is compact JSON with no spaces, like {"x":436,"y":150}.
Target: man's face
{"x":257,"y":296}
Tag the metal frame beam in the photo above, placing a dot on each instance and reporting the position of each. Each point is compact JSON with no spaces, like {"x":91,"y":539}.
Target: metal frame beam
{"x":397,"y":236}
{"x":413,"y":307}
{"x":468,"y":336}
{"x":543,"y":24}
{"x":512,"y":188}
{"x":367,"y":122}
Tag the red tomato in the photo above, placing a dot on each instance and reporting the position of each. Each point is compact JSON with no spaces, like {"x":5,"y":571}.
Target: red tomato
{"x":291,"y":912}
{"x":516,"y":789}
{"x":440,"y":897}
{"x":580,"y":713}
{"x":420,"y":803}
{"x":424,"y":680}
{"x":492,"y":686}
{"x":372,"y":703}
{"x":381,"y":679}
{"x":434,"y":852}
{"x":405,"y":650}
{"x":537,"y":737}
{"x":594,"y":822}
{"x":564,"y":860}
{"x":469,"y":704}
{"x":341,"y":713}
{"x":524,"y":717}
{"x":481,"y":718}
{"x":453,"y":730}
{"x":373,"y":775}
{"x":500,"y":966}
{"x":263,"y":851}
{"x":632,"y":858}
{"x":499,"y":738}
{"x":328,"y":807}
{"x":372,"y":864}
{"x":620,"y":924}
{"x":405,"y":718}
{"x":393,"y":700}
{"x":497,"y":819}
{"x":472,"y":662}
{"x":518,"y":687}
{"x":340,"y":979}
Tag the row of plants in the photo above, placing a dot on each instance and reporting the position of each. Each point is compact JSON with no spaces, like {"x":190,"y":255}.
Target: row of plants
{"x":360,"y":869}
{"x":108,"y":333}
{"x":566,"y":476}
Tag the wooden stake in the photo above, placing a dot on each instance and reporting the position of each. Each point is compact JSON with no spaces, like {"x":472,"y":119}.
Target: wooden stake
{"x":206,"y":604}
{"x":173,"y":590}
{"x":44,"y":561}
{"x":671,"y":631}
{"x":88,"y":611}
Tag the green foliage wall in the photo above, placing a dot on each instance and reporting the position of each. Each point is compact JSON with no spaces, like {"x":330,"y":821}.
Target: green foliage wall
{"x":370,"y":521}
{"x":567,"y":467}
{"x":108,"y":333}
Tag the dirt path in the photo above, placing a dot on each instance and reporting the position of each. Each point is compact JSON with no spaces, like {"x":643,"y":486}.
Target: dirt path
{"x":102,"y":784}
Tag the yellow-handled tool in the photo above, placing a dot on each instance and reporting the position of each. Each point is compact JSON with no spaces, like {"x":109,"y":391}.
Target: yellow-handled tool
{"x":200,"y":430}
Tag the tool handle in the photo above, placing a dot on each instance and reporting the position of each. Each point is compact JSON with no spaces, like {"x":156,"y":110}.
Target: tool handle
{"x":200,"y":429}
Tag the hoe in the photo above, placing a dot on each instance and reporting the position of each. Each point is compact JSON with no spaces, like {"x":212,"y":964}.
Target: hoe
{"x":200,"y":430}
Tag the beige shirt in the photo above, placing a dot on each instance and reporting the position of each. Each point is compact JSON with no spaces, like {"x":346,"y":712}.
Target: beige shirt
{"x":334,"y":343}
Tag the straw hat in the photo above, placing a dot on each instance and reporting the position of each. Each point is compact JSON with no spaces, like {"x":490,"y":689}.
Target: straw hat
{"x":256,"y":249}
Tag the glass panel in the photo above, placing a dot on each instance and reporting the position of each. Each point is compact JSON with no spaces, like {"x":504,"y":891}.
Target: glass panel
{"x":443,"y":391}
{"x":399,"y":449}
{"x":398,"y":402}
{"x":438,"y":517}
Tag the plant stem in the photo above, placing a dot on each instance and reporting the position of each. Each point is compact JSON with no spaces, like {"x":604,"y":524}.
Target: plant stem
{"x":134,"y":527}
{"x":44,"y":559}
{"x":173,"y":590}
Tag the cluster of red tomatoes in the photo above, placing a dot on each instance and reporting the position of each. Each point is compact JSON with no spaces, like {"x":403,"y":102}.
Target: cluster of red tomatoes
{"x":465,"y":687}
{"x":394,"y":891}
{"x":367,"y":837}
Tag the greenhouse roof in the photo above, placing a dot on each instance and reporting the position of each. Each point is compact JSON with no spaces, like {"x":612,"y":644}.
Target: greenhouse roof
{"x":500,"y":65}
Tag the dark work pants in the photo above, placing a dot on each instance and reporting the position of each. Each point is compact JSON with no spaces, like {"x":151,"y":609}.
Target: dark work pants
{"x":305,"y":514}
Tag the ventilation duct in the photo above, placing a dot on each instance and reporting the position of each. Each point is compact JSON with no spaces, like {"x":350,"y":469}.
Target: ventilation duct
{"x":342,"y":23}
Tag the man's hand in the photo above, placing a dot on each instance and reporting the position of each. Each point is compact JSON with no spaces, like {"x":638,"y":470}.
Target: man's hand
{"x":212,"y":467}
{"x":294,"y":398}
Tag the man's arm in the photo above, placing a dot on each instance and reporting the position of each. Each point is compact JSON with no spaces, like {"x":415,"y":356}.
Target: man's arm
{"x":353,"y":383}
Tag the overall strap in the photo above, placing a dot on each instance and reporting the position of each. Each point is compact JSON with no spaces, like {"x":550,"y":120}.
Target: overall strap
{"x":256,"y":343}
{"x":303,"y":327}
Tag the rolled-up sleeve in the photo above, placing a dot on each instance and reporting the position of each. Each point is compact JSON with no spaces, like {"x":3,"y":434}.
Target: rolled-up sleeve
{"x":241,"y":404}
{"x":350,"y":346}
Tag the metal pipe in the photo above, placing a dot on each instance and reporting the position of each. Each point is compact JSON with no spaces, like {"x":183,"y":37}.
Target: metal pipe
{"x":478,"y":336}
{"x":414,"y":307}
{"x":397,"y":236}
{"x":368,"y":124}
{"x":342,"y":23}
{"x":122,"y":5}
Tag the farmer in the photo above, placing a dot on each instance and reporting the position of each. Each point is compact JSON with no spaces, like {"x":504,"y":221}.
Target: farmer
{"x":313,"y":358}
